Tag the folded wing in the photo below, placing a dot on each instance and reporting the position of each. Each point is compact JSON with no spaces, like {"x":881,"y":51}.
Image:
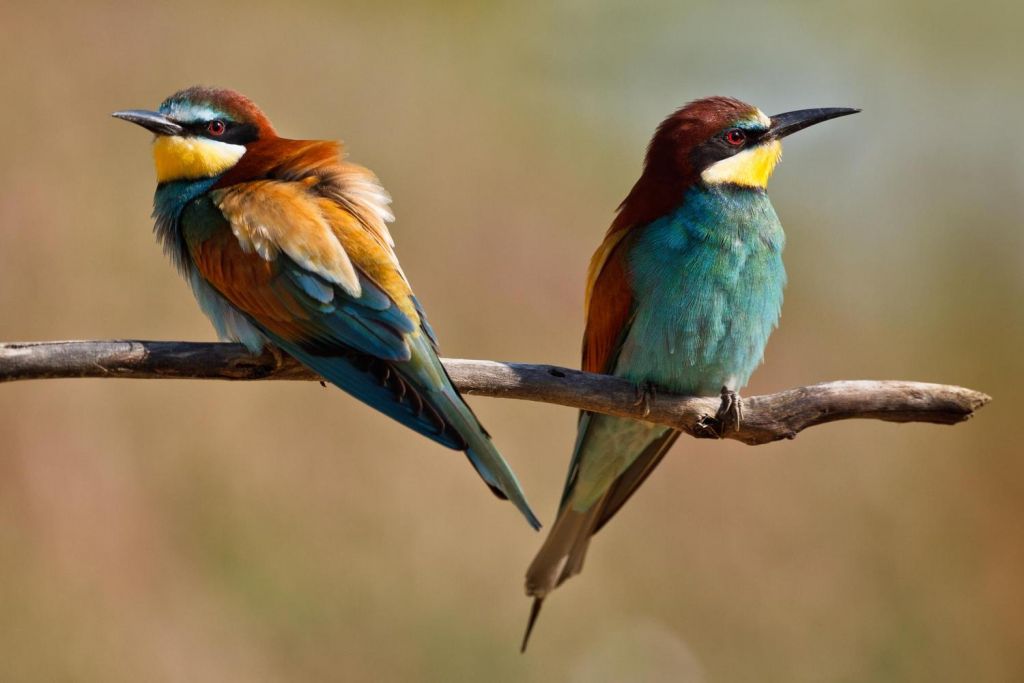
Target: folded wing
{"x":302,"y":250}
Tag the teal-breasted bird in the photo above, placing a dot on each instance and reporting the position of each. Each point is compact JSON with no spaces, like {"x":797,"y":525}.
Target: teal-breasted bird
{"x":284,"y":243}
{"x":682,"y":295}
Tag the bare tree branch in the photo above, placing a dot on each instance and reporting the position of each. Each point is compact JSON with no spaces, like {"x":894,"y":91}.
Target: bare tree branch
{"x":765,"y":418}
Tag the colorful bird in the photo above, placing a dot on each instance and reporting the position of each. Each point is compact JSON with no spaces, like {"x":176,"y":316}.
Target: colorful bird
{"x":681,"y":295}
{"x":285,"y":244}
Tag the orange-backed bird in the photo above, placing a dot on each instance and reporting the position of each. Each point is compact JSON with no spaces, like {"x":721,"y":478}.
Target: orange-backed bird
{"x":285,"y":243}
{"x":682,"y":295}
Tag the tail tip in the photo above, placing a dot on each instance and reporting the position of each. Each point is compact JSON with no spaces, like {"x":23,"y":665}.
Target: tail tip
{"x":534,"y":613}
{"x":508,"y":489}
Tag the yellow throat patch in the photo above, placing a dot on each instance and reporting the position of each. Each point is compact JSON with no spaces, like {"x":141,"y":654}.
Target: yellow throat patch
{"x":750,"y":168}
{"x":189,"y":158}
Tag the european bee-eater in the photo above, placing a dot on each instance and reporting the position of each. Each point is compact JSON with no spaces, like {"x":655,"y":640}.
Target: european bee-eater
{"x":284,"y":243}
{"x":681,"y":295}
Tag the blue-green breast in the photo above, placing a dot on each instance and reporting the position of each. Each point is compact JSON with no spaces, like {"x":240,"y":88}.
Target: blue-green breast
{"x":707,"y":282}
{"x":182,"y":207}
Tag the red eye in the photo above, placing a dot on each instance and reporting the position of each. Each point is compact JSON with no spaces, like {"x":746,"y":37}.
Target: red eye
{"x":735,"y":137}
{"x":215,"y":127}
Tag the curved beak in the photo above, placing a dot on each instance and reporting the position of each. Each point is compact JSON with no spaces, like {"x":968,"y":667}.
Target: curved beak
{"x":792,"y":121}
{"x":152,"y":121}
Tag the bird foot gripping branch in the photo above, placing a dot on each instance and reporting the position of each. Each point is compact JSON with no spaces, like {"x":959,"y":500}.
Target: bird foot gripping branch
{"x":728,"y":418}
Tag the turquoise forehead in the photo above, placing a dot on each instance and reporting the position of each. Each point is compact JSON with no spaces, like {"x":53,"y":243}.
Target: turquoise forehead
{"x":186,"y":111}
{"x":753,"y":122}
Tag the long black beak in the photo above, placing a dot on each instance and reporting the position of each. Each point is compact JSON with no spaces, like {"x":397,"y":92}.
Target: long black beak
{"x":792,"y":121}
{"x":150,"y":120}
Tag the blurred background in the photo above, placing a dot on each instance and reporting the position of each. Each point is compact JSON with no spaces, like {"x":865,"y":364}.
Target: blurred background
{"x":203,"y":531}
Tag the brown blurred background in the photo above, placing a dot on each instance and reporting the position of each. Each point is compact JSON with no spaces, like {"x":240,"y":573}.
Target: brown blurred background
{"x":202,"y":531}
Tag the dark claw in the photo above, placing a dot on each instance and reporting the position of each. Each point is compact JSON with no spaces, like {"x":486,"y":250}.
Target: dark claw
{"x":645,"y":393}
{"x":707,"y":428}
{"x":730,"y":413}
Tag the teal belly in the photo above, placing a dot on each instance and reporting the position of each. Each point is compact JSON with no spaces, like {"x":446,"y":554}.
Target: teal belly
{"x":707,"y":281}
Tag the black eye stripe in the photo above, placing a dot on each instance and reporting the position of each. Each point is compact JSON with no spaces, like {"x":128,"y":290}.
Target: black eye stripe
{"x":753,"y":135}
{"x":234,"y":132}
{"x":718,"y":146}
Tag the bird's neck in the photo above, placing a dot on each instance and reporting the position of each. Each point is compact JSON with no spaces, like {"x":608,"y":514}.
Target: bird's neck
{"x":657,"y":195}
{"x":171,"y":198}
{"x":723,"y":214}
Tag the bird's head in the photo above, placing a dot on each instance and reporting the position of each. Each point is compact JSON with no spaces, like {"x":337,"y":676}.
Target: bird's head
{"x":721,"y":140}
{"x":714,"y":141}
{"x":200,"y":132}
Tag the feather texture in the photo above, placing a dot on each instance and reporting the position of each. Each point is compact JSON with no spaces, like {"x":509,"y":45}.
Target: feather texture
{"x":682,"y":294}
{"x":288,"y":244}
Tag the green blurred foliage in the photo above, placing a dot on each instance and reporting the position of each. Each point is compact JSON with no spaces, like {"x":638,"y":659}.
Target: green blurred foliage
{"x":195,"y":531}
